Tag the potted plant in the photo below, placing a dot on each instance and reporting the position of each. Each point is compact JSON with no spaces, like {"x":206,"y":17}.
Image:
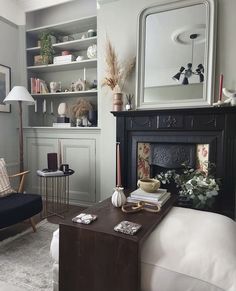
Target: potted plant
{"x":46,"y":49}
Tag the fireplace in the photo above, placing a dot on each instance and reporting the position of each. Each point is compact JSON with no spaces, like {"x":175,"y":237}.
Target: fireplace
{"x":175,"y":135}
{"x":153,"y":158}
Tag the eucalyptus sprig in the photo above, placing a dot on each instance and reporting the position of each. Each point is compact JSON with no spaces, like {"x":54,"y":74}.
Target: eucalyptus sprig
{"x":199,"y":186}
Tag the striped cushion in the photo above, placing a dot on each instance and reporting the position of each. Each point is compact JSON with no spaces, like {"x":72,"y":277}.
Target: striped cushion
{"x":5,"y":187}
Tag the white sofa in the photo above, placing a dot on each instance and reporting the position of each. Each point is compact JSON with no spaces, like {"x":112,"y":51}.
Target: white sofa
{"x":189,"y":250}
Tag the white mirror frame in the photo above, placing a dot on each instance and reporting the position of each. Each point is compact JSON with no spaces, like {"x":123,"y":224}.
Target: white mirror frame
{"x":208,"y":88}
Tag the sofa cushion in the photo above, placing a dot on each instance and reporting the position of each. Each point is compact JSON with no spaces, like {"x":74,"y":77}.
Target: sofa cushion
{"x":191,"y":250}
{"x":5,"y":186}
{"x":18,"y":207}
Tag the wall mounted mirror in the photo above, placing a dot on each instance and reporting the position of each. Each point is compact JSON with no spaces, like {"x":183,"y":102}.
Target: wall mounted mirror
{"x":175,"y":57}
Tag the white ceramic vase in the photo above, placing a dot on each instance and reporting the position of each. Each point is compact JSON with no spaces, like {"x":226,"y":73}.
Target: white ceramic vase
{"x":62,"y":109}
{"x":118,"y":197}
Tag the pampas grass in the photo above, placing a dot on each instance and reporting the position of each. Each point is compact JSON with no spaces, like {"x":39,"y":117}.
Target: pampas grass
{"x":116,"y":73}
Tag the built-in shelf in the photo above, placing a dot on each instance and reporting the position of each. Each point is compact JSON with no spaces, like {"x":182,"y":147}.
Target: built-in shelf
{"x":67,"y":94}
{"x":91,"y":63}
{"x":73,"y":45}
{"x":66,"y":28}
{"x":76,"y":30}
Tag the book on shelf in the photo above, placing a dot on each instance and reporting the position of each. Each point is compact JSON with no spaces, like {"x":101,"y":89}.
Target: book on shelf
{"x":160,"y":201}
{"x":47,"y":173}
{"x":139,"y":193}
{"x":59,"y":60}
{"x":38,"y":86}
{"x":61,"y":124}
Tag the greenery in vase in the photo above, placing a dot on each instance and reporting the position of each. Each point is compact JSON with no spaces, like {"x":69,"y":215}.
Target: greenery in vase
{"x":199,"y":186}
{"x":46,"y":49}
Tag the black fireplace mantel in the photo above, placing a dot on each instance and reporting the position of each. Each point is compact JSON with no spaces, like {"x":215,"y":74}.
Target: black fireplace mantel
{"x":212,"y":125}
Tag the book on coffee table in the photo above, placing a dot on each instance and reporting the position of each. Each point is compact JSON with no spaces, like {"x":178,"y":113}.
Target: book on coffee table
{"x":160,"y":201}
{"x":140,"y":194}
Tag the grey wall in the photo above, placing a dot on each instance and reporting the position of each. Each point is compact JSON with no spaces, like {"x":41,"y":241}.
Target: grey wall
{"x":119,"y":21}
{"x":9,"y":56}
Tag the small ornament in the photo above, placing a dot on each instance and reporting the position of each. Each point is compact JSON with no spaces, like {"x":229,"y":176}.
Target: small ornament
{"x":62,"y":109}
{"x":72,"y":87}
{"x":79,"y":58}
{"x":118,"y":197}
{"x":55,"y":87}
{"x":129,"y":98}
{"x":92,"y":51}
{"x":80,"y":85}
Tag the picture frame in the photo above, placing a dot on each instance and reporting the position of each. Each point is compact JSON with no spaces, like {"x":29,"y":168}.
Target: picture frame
{"x":5,"y":87}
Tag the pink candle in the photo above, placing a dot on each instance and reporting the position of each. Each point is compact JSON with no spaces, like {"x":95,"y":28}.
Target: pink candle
{"x":221,"y":86}
{"x":59,"y":148}
{"x":118,"y":166}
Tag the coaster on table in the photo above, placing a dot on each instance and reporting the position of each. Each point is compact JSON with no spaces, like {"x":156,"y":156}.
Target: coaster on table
{"x":127,"y":227}
{"x":84,"y":218}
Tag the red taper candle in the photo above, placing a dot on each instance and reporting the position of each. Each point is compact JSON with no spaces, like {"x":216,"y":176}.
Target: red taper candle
{"x":221,"y":86}
{"x":118,"y":166}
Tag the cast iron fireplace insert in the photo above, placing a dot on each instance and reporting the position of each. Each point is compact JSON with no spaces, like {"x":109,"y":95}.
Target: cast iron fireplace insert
{"x":214,"y":126}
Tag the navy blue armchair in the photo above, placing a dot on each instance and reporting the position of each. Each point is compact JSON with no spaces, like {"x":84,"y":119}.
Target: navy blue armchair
{"x":19,"y":206}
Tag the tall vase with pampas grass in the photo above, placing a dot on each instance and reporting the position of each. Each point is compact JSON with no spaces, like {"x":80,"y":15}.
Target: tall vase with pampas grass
{"x":116,"y":75}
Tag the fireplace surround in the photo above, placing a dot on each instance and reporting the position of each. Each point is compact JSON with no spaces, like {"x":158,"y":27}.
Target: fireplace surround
{"x":213,"y":126}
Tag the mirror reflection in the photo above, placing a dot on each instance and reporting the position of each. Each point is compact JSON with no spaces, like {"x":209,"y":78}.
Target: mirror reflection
{"x":175,"y":55}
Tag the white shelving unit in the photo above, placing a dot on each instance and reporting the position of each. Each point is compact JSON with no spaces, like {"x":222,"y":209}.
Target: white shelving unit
{"x":78,"y":146}
{"x":65,"y":73}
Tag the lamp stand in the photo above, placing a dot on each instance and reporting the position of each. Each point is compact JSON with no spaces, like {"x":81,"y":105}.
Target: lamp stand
{"x":21,"y":146}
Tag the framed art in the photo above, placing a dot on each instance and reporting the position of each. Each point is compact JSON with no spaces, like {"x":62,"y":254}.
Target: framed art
{"x":5,"y":87}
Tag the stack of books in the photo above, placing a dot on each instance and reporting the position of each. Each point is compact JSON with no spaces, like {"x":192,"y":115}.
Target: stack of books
{"x":159,"y":197}
{"x":38,"y":86}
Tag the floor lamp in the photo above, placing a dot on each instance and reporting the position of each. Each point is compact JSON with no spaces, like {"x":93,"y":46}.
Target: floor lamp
{"x":20,"y":94}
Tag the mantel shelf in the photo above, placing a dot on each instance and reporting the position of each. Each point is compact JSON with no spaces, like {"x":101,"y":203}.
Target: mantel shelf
{"x":67,"y":94}
{"x":77,"y":44}
{"x":91,"y":63}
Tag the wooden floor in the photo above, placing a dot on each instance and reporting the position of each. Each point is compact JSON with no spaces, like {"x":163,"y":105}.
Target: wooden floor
{"x":19,"y":227}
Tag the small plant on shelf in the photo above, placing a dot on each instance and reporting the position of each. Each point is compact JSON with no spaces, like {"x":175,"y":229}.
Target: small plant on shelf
{"x":46,"y":49}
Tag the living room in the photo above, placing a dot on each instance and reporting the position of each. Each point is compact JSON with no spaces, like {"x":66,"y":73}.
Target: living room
{"x":103,"y":149}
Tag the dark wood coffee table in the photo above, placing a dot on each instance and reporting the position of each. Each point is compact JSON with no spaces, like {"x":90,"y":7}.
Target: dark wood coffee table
{"x":96,"y":258}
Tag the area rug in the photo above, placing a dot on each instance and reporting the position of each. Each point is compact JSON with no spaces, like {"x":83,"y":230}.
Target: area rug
{"x":25,"y":260}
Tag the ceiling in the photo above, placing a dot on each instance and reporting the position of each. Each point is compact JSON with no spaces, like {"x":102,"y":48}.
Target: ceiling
{"x":168,"y":44}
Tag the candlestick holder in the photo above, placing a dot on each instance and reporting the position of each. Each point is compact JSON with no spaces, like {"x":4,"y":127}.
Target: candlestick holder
{"x":118,"y":198}
{"x":218,"y":103}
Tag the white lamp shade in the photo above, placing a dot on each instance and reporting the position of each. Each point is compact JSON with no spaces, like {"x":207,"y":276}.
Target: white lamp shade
{"x":19,"y":93}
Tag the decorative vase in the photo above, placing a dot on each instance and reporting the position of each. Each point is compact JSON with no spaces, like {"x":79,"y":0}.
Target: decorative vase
{"x":117,"y":102}
{"x":118,"y":197}
{"x":62,"y":109}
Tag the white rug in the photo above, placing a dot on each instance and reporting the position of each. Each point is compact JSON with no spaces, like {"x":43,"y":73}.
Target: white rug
{"x":25,"y":260}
